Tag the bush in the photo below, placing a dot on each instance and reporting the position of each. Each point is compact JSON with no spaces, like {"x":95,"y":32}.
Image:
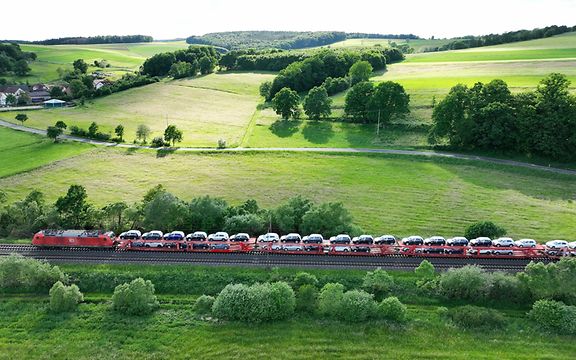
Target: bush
{"x":357,"y":306}
{"x":203,"y":304}
{"x":307,"y":298}
{"x":64,"y":298}
{"x":135,"y":298}
{"x":330,"y":299}
{"x":303,"y":278}
{"x":158,"y":141}
{"x":484,"y":228}
{"x":378,"y":282}
{"x":507,"y":288}
{"x":467,"y":283}
{"x":20,"y":274}
{"x":221,"y":144}
{"x":551,"y":281}
{"x":392,"y":309}
{"x":256,"y":303}
{"x":554,"y":315}
{"x":475,"y":317}
{"x":425,"y":272}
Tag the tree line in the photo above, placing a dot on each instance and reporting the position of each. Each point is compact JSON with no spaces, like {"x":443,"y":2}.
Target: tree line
{"x":505,"y":38}
{"x":182,"y":63}
{"x":101,"y":39}
{"x":489,"y":116}
{"x":159,"y":209}
{"x":14,"y":60}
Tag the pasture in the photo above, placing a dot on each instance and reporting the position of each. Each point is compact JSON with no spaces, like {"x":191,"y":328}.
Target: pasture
{"x":206,"y":109}
{"x":385,"y":194}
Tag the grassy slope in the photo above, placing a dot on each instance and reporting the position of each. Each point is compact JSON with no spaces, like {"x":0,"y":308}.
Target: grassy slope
{"x":206,"y":108}
{"x":121,"y":57}
{"x":22,"y":152}
{"x":27,"y":330}
{"x":385,"y":194}
{"x":418,"y":45}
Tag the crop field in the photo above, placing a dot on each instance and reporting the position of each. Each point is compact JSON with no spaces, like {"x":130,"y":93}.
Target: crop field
{"x":22,"y":152}
{"x":418,"y":45}
{"x":402,"y":195}
{"x":121,"y":57}
{"x":206,"y":109}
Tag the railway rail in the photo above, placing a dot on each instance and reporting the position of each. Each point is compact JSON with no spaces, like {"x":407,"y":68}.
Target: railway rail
{"x":255,"y":259}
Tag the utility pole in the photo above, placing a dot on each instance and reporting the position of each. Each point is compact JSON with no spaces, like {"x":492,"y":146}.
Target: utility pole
{"x":378,"y":128}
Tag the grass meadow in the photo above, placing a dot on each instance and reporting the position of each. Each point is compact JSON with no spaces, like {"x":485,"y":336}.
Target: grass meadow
{"x":206,"y":109}
{"x":385,"y":194}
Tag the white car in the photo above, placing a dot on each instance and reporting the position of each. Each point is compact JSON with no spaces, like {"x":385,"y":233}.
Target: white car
{"x":153,"y":235}
{"x":219,"y":236}
{"x":131,"y":235}
{"x":503,"y":242}
{"x":526,"y":243}
{"x":269,"y":237}
{"x":572,"y":245}
{"x":197,"y":236}
{"x":557,"y":244}
{"x":342,"y":249}
{"x":292,"y":248}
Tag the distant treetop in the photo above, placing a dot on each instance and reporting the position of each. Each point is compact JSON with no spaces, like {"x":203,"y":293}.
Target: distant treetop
{"x":102,"y":39}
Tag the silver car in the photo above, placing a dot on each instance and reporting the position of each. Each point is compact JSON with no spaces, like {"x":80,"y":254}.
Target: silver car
{"x":557,"y":244}
{"x":526,"y":243}
{"x":503,"y":242}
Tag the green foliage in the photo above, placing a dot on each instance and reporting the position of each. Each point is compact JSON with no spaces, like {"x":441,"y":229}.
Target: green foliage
{"x":357,"y":100}
{"x":357,"y":306}
{"x":256,"y":303}
{"x":158,"y":141}
{"x":425,"y":271}
{"x":207,"y":213}
{"x":74,"y":211}
{"x":360,"y":71}
{"x":119,"y":131}
{"x":304,"y":278}
{"x":182,"y":69}
{"x":285,"y":103}
{"x":551,"y":281}
{"x":20,"y":274}
{"x":53,"y":132}
{"x":289,"y":216}
{"x":317,"y":104}
{"x":13,"y":59}
{"x":203,"y":305}
{"x":329,"y":219}
{"x":484,"y":228}
{"x":378,"y":282}
{"x":25,"y":217}
{"x":61,"y":124}
{"x":64,"y":298}
{"x":80,"y":66}
{"x":207,"y":65}
{"x":307,"y":299}
{"x":336,"y":85}
{"x":172,"y":134}
{"x":248,"y":223}
{"x":467,"y":283}
{"x":142,"y":132}
{"x":164,"y":211}
{"x":554,"y":316}
{"x":389,"y":99}
{"x":182,"y":63}
{"x":392,"y":309}
{"x":264,"y":89}
{"x":21,"y":118}
{"x":135,"y":298}
{"x":330,"y":300}
{"x":475,"y":317}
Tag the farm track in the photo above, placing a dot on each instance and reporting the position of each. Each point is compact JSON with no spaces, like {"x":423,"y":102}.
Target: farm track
{"x":110,"y":256}
{"x":311,"y":150}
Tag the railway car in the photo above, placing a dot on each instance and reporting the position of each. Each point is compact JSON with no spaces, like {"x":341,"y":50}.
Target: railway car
{"x":74,"y":238}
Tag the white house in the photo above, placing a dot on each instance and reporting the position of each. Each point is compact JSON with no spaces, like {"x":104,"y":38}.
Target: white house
{"x":2,"y":99}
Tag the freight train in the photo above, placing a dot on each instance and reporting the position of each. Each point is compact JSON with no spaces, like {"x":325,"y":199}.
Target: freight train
{"x":365,"y":245}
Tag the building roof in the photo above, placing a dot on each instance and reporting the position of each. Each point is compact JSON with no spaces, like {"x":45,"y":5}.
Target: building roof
{"x":54,"y":101}
{"x":11,"y":89}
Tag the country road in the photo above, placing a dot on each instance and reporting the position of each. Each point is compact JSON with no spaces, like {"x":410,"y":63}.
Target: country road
{"x":319,"y":150}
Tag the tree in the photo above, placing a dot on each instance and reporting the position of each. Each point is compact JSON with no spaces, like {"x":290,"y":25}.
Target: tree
{"x":135,"y":298}
{"x":172,"y":134}
{"x":317,"y":104}
{"x":21,"y":68}
{"x":73,"y":208}
{"x":92,"y":129}
{"x":21,"y":118}
{"x":304,"y":278}
{"x":360,"y":71}
{"x":80,"y":66}
{"x":11,"y":99}
{"x":388,"y":99}
{"x":449,"y":118}
{"x":57,"y":92}
{"x":64,"y":298}
{"x":467,"y":283}
{"x":425,"y":271}
{"x":357,"y":99}
{"x":61,"y":125}
{"x":378,"y":282}
{"x":288,"y":217}
{"x":330,"y":299}
{"x":392,"y":309}
{"x":207,"y":213}
{"x":24,"y":99}
{"x":307,"y":298}
{"x":78,"y":88}
{"x":207,"y":65}
{"x":250,"y":223}
{"x":164,"y":211}
{"x":119,"y":131}
{"x":265,"y":89}
{"x":359,"y":306}
{"x":181,"y":69}
{"x":484,"y":229}
{"x":53,"y":132}
{"x":329,"y":219}
{"x":285,"y":103}
{"x":142,"y":132}
{"x":23,"y":274}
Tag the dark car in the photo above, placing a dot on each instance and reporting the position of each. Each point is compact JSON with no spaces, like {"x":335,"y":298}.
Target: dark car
{"x":481,"y":242}
{"x":435,"y":240}
{"x":240,"y":237}
{"x":200,"y":246}
{"x":454,"y":251}
{"x":385,"y":240}
{"x":457,"y":241}
{"x":341,"y":239}
{"x":220,"y":247}
{"x":362,"y":249}
{"x":433,"y":250}
{"x":153,"y":235}
{"x":291,"y":238}
{"x":363,"y":239}
{"x":175,"y":236}
{"x":314,"y":248}
{"x":413,"y":240}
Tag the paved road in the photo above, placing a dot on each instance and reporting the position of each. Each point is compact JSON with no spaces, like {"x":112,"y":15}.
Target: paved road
{"x":321,"y":150}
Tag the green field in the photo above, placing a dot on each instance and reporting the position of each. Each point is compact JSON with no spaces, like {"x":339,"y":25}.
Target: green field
{"x":206,"y":109}
{"x":23,"y":152}
{"x":418,"y":45}
{"x":400,"y":195}
{"x":121,"y":57}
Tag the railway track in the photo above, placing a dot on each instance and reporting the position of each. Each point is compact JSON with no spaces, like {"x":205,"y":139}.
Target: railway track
{"x":111,"y":256}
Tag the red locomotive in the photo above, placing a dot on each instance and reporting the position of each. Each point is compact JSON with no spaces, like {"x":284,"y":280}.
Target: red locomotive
{"x":75,"y":238}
